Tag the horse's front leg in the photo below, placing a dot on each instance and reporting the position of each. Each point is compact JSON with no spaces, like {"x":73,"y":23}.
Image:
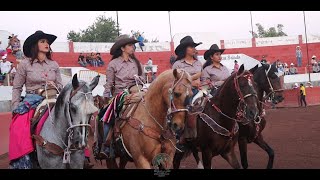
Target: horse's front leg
{"x":231,"y":158}
{"x":242,"y":142}
{"x":262,"y":144}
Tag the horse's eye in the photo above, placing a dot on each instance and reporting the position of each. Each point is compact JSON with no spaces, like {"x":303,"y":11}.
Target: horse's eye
{"x":73,"y":108}
{"x":177,"y":94}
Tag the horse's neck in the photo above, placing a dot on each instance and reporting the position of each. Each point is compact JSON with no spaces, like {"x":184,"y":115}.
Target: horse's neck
{"x":54,"y":129}
{"x":155,"y":105}
{"x":228,"y":106}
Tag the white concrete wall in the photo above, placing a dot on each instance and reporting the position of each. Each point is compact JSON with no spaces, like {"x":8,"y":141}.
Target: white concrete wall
{"x":237,"y":43}
{"x":276,"y":41}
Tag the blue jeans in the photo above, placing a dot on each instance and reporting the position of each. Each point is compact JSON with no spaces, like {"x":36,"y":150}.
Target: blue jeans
{"x":299,"y":59}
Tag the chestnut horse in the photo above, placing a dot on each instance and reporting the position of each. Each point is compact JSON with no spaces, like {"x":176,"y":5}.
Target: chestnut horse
{"x":217,"y":127}
{"x":158,"y":117}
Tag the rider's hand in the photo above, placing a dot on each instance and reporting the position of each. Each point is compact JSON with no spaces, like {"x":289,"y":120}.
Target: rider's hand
{"x":51,"y":84}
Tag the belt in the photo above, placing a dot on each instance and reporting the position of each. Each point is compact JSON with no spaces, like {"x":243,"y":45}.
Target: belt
{"x":41,"y":92}
{"x":37,"y":91}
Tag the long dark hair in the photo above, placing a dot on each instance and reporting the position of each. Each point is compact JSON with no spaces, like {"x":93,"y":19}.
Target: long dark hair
{"x":35,"y":51}
{"x":208,"y":62}
{"x":118,"y":53}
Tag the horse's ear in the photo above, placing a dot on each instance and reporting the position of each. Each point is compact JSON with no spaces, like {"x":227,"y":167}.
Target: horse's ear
{"x":94,"y":82}
{"x":75,"y":82}
{"x":253,"y":70}
{"x":175,"y":73}
{"x":241,"y":69}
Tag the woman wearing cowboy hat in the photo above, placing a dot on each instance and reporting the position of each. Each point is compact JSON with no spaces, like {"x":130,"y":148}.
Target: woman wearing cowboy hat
{"x":120,"y":75}
{"x":39,"y":69}
{"x":186,"y":60}
{"x":36,"y":73}
{"x":214,"y":73}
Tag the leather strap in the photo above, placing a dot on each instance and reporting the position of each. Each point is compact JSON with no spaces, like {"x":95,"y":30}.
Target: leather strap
{"x":148,"y":131}
{"x":51,"y":147}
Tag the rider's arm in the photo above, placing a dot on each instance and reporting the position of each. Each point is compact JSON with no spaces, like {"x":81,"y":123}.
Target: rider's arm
{"x":110,"y":81}
{"x":58,"y":80}
{"x":18,"y":82}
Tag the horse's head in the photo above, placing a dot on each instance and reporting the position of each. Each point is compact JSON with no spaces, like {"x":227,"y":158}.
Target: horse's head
{"x":79,"y":110}
{"x":244,"y":86}
{"x":177,"y":95}
{"x":267,"y":79}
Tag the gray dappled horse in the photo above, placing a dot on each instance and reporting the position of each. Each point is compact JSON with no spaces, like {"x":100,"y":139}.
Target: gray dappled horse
{"x":68,"y":127}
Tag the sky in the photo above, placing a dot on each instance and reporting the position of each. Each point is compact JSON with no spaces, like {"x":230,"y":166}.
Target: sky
{"x":155,"y":24}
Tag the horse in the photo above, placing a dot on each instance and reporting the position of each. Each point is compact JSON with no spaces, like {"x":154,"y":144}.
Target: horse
{"x":268,"y":82}
{"x":217,"y":127}
{"x":150,"y":130}
{"x":64,"y":134}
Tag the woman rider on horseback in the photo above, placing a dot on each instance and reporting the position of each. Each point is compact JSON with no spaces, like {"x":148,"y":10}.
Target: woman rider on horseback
{"x":120,"y":75}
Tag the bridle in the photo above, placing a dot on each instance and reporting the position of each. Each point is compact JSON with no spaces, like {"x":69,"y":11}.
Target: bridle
{"x":67,"y":151}
{"x":242,"y":105}
{"x":172,"y":108}
{"x":272,"y":91}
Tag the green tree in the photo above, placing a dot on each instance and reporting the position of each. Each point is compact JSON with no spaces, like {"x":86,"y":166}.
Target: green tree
{"x":102,"y":30}
{"x":271,"y":32}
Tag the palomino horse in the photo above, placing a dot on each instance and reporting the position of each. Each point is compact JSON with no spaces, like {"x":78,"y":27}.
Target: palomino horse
{"x":65,"y":132}
{"x":151,"y":128}
{"x":217,"y":126}
{"x":267,"y":80}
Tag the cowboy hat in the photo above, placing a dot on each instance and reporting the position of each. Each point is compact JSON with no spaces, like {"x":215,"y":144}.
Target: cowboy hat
{"x":121,"y":41}
{"x":4,"y":57}
{"x":291,"y":64}
{"x":314,"y":56}
{"x":184,"y":43}
{"x":34,"y":38}
{"x":213,"y":49}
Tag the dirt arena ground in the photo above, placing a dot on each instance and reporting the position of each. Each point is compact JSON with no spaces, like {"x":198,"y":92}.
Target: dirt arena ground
{"x":293,"y":133}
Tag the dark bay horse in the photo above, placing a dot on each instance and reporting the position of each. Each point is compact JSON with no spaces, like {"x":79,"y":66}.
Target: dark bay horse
{"x":217,"y":127}
{"x":268,"y":82}
{"x":151,"y":128}
{"x":66,"y":131}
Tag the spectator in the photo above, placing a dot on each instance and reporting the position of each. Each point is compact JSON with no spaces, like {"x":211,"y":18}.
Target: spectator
{"x":81,"y":60}
{"x":94,"y":59}
{"x":299,"y":56}
{"x":309,"y":85}
{"x":286,"y":69}
{"x":315,"y":68}
{"x":89,"y":58}
{"x":303,"y":95}
{"x":140,"y":39}
{"x":100,"y":61}
{"x":263,"y":60}
{"x":313,"y":59}
{"x":280,"y":70}
{"x":236,"y":66}
{"x":5,"y":66}
{"x":149,"y":65}
{"x":292,"y":69}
